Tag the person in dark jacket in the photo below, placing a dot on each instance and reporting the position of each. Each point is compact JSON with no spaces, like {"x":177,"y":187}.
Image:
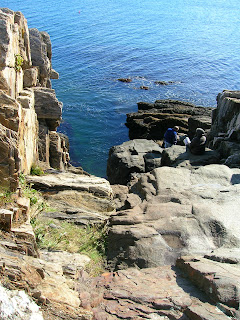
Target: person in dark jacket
{"x":170,"y":136}
{"x":198,"y":143}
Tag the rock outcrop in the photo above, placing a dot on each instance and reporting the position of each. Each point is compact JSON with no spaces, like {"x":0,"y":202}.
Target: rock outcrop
{"x":30,"y":112}
{"x":152,"y":119}
{"x":165,"y":293}
{"x":182,"y":211}
{"x":134,"y":156}
{"x":79,"y":198}
{"x":225,"y":130}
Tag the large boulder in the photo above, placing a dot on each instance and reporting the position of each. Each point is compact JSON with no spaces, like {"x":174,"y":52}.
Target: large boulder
{"x":48,"y":107}
{"x":182,"y":212}
{"x":134,"y":156}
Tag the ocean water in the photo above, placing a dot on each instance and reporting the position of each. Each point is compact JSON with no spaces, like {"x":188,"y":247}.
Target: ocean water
{"x":193,"y":43}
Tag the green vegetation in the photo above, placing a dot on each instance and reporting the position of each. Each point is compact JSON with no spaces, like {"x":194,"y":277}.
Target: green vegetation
{"x":5,"y":198}
{"x":60,"y":235}
{"x":65,"y":236}
{"x":18,"y":62}
{"x":35,"y":196}
{"x":36,"y":170}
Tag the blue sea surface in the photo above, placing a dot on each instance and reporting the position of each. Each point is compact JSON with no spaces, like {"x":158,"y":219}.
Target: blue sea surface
{"x":193,"y":43}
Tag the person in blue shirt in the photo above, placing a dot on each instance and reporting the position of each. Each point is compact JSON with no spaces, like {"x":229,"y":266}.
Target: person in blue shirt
{"x":170,"y":136}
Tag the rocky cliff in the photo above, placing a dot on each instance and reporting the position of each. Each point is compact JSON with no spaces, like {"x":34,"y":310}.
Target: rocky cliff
{"x":173,"y":244}
{"x":29,"y":110}
{"x":225,"y":129}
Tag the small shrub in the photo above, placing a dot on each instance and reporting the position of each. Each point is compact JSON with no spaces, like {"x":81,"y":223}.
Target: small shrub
{"x":36,"y":171}
{"x":18,"y":62}
{"x":6,"y":198}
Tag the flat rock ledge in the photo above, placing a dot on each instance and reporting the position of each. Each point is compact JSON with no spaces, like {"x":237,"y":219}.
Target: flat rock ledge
{"x":79,"y":198}
{"x":68,"y":180}
{"x":198,"y":288}
{"x":174,"y":212}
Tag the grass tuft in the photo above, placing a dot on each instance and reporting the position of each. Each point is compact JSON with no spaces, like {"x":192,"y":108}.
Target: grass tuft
{"x":66,"y":236}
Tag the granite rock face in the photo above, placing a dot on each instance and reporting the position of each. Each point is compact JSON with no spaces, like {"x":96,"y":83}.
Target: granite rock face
{"x":78,"y":198}
{"x":164,"y":292}
{"x":134,"y":156}
{"x":225,"y":130}
{"x":182,"y":211}
{"x":30,"y":112}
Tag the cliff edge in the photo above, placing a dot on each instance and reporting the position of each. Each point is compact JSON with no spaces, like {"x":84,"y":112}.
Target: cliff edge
{"x":29,"y":110}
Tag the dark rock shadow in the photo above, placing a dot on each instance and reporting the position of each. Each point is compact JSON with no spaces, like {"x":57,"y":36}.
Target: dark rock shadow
{"x":235,"y":179}
{"x":188,"y":287}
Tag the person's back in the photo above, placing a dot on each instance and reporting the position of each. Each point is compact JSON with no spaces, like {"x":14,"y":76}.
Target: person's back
{"x":170,"y":136}
{"x":198,"y":143}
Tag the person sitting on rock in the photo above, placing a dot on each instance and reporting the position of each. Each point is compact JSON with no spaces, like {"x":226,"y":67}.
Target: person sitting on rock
{"x":170,"y":136}
{"x":198,"y":143}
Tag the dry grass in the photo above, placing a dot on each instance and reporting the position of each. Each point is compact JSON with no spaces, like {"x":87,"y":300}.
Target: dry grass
{"x":64,"y":236}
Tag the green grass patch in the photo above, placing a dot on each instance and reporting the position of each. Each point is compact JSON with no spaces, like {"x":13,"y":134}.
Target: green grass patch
{"x":65,"y":236}
{"x":36,"y":170}
{"x":5,"y":198}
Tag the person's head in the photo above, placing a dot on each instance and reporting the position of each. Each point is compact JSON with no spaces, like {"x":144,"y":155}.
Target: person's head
{"x":200,"y":132}
{"x":176,"y":128}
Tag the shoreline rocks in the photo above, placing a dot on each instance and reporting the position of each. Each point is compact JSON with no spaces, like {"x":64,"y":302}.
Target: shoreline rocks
{"x":152,"y":119}
{"x":182,"y":211}
{"x":175,"y":208}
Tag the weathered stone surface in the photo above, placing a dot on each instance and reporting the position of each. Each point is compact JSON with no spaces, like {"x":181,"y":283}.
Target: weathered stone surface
{"x":54,"y":74}
{"x":30,"y":77}
{"x":71,"y":263}
{"x":28,"y":132}
{"x":219,"y":280}
{"x":9,"y":161}
{"x":176,"y":156}
{"x":6,"y":217}
{"x":19,"y":107}
{"x":14,"y":40}
{"x":41,"y":54}
{"x":182,"y":211}
{"x":58,"y":151}
{"x":134,"y":156}
{"x":152,"y":119}
{"x":45,"y":281}
{"x":201,"y":121}
{"x":9,"y":112}
{"x":153,"y":293}
{"x":16,"y":305}
{"x":79,"y":207}
{"x":71,"y":181}
{"x":225,"y":130}
{"x":47,"y":105}
{"x":140,"y":155}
